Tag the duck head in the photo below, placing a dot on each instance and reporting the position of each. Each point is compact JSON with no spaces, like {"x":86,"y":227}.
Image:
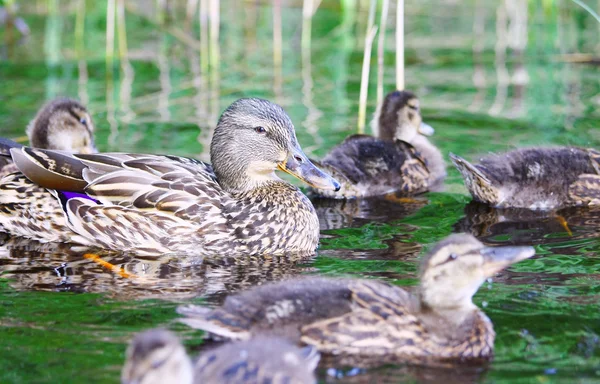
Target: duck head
{"x":157,"y":357}
{"x":457,"y":266}
{"x":399,"y":117}
{"x":64,"y":125}
{"x":253,"y":138}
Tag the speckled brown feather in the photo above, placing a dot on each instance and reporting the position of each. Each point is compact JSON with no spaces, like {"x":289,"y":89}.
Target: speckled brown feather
{"x":355,"y":317}
{"x":534,"y":178}
{"x":388,"y":321}
{"x":30,"y":211}
{"x":156,"y":204}
{"x":367,"y":166}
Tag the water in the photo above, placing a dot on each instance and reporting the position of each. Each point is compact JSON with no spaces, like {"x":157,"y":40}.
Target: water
{"x":67,"y":317}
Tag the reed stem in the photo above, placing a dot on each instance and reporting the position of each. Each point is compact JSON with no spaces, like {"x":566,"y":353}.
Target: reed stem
{"x":381,"y":50}
{"x":400,"y":45}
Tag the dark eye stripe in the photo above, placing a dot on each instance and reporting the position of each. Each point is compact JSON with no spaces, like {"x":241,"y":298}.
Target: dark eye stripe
{"x":75,"y":116}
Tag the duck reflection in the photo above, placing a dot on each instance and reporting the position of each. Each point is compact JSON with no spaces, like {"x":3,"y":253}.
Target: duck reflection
{"x":30,"y":265}
{"x":353,"y":213}
{"x":527,"y":227}
{"x":453,"y":374}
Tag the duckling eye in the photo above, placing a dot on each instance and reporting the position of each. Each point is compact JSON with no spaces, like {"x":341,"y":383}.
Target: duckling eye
{"x":83,"y":121}
{"x":260,"y":130}
{"x":413,"y":107}
{"x":453,"y":256}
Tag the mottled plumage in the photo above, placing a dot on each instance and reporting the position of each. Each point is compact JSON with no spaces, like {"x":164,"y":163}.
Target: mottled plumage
{"x":534,"y":178}
{"x":61,"y":124}
{"x":400,"y":159}
{"x":157,"y":357}
{"x":152,"y":204}
{"x":372,"y":319}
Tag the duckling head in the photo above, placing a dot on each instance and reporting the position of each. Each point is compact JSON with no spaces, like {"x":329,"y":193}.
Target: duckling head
{"x":157,"y":357}
{"x":399,"y":117}
{"x":253,"y":138}
{"x":457,"y":266}
{"x":64,"y":125}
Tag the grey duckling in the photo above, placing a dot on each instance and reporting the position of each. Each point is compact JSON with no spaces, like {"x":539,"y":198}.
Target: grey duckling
{"x":157,"y":357}
{"x":399,"y":159}
{"x":534,"y":178}
{"x":372,"y":319}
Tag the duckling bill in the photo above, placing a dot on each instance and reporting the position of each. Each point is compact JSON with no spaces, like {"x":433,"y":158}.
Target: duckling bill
{"x":369,"y":319}
{"x":399,"y":160}
{"x":154,"y":204}
{"x":534,"y":178}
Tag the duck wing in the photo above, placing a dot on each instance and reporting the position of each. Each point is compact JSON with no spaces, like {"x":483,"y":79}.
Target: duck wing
{"x":381,"y":321}
{"x":150,"y":203}
{"x":277,"y":309}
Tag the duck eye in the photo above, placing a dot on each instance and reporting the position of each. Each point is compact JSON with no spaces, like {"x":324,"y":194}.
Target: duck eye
{"x":83,"y":121}
{"x":453,"y":256}
{"x":260,"y":130}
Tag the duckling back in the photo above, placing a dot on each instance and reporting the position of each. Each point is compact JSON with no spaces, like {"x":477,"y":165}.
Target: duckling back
{"x":368,"y":166}
{"x":259,"y":360}
{"x":534,"y":178}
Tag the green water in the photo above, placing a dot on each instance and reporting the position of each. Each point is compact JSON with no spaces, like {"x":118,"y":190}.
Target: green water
{"x":65,"y":318}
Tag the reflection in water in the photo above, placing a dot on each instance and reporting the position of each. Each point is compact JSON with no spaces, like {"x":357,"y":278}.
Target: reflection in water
{"x":344,"y":213}
{"x":523,"y":227}
{"x":62,"y":267}
{"x":459,"y":374}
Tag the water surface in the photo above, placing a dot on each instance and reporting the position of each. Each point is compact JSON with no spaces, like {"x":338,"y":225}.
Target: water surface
{"x":488,"y":79}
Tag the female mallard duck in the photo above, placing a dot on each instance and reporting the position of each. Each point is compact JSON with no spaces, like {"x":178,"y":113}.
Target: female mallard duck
{"x":61,"y":124}
{"x":151,"y":204}
{"x":534,"y":178}
{"x":401,"y":159}
{"x":157,"y":356}
{"x":367,"y":318}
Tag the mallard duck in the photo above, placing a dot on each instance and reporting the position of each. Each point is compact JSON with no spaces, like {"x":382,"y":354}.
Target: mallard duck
{"x":534,"y":178}
{"x":152,"y":204}
{"x":401,"y":159}
{"x":369,"y":318}
{"x":157,"y":356}
{"x":61,"y":124}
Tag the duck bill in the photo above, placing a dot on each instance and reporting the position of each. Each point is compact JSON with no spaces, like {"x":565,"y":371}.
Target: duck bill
{"x":498,"y":258}
{"x":426,"y":129}
{"x":298,"y":165}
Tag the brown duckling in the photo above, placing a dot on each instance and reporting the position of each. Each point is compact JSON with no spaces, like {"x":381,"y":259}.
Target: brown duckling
{"x":399,"y":159}
{"x":372,"y":319}
{"x":61,"y":124}
{"x":157,"y":356}
{"x":534,"y":178}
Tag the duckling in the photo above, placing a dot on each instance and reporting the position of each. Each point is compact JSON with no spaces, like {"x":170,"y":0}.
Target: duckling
{"x":153,"y":204}
{"x":373,"y":319}
{"x":61,"y":124}
{"x":534,"y":178}
{"x":157,"y":356}
{"x":401,"y":159}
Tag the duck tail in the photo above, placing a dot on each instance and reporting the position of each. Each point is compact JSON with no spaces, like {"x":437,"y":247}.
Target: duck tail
{"x":212,"y":322}
{"x":469,"y":172}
